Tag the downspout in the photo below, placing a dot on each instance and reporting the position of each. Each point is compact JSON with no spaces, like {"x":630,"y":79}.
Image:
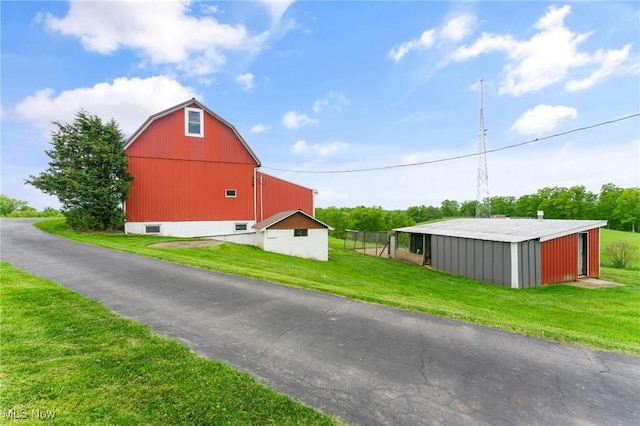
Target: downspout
{"x":255,"y":196}
{"x":261,"y":198}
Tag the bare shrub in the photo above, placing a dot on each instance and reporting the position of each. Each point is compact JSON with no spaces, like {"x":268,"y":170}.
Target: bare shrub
{"x":621,"y":253}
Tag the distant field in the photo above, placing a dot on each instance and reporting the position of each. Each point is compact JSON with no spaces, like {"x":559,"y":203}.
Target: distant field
{"x":605,"y":318}
{"x":608,"y":236}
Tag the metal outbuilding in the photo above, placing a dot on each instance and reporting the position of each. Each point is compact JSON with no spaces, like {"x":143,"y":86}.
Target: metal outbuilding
{"x":516,"y":253}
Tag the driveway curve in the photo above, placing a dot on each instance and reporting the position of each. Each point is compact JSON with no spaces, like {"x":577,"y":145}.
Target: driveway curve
{"x":364,"y":363}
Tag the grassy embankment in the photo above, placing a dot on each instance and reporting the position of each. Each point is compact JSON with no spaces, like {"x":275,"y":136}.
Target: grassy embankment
{"x":605,"y":318}
{"x":69,"y":360}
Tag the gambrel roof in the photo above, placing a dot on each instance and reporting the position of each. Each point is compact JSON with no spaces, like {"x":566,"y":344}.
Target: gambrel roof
{"x":190,"y":102}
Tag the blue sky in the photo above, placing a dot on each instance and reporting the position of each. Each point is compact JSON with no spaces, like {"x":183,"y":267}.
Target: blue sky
{"x":340,"y":86}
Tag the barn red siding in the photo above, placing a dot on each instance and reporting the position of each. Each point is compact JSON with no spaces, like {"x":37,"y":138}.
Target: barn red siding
{"x":179,"y":190}
{"x":165,"y":138}
{"x":184,"y":178}
{"x":277,"y":195}
{"x":594,"y":252}
{"x":560,"y":259}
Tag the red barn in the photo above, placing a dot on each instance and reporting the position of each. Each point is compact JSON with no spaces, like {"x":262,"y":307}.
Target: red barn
{"x":194,"y":175}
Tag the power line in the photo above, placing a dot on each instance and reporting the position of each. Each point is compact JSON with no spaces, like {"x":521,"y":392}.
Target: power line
{"x":457,"y":157}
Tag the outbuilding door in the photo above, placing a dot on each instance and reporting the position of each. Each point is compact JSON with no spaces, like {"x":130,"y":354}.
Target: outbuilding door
{"x":583,"y":250}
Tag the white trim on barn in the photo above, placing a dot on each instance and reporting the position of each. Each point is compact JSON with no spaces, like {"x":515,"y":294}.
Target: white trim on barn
{"x":195,"y":229}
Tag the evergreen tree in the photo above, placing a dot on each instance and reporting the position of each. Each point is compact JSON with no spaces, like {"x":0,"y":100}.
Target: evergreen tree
{"x":87,"y":172}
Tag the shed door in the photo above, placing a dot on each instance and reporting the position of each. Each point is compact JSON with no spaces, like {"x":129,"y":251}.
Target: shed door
{"x":583,"y":254}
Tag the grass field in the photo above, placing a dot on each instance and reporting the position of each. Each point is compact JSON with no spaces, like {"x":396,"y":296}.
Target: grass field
{"x":69,"y":360}
{"x":605,"y":318}
{"x":608,"y":236}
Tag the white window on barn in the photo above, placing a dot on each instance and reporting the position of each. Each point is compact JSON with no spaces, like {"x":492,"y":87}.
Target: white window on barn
{"x":241,"y":226}
{"x":230,"y":193}
{"x":194,"y":122}
{"x":300,"y":232}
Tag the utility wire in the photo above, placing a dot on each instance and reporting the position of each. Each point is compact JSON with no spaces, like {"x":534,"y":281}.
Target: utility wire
{"x":457,"y":157}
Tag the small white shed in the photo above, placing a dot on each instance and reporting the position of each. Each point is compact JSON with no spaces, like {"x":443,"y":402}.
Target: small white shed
{"x":295,"y":233}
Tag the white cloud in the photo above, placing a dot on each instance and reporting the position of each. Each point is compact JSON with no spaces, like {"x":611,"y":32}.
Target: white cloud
{"x":336,"y":100}
{"x":162,"y":32}
{"x":543,"y":119}
{"x":426,"y":40}
{"x":259,"y":128}
{"x":458,"y":27}
{"x":322,"y":150}
{"x":295,"y":120}
{"x":546,"y":58}
{"x":246,"y":81}
{"x":129,"y":101}
{"x":610,"y":61}
{"x":277,"y":8}
{"x":486,"y":43}
{"x":454,"y":29}
{"x":210,"y":9}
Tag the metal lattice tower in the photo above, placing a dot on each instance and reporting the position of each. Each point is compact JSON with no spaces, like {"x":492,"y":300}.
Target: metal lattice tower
{"x":483,"y":205}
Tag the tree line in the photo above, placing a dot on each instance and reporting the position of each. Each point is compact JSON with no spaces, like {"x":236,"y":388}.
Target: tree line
{"x":620,"y":207}
{"x":88,"y":173}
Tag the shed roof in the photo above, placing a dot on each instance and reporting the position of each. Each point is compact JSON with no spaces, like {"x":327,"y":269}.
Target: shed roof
{"x":190,"y":102}
{"x":505,"y":230}
{"x":279,"y":217}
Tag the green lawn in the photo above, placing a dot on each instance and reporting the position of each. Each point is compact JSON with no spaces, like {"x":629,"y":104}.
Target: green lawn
{"x":608,"y":236}
{"x":66,"y":356}
{"x":606,"y":318}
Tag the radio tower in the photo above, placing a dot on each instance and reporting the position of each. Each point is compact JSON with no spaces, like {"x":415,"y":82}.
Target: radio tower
{"x":483,"y":204}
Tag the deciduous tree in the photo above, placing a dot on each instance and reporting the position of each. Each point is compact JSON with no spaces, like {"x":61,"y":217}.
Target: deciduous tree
{"x":627,"y":210}
{"x":9,"y":205}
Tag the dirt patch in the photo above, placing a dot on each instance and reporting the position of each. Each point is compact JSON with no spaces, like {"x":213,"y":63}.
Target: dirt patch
{"x":592,"y":283}
{"x":187,"y":244}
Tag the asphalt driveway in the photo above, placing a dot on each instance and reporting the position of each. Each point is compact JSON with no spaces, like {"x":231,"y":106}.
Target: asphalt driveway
{"x":365,"y":363}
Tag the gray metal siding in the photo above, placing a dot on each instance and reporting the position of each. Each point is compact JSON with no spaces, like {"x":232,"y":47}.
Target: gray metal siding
{"x":488,"y":261}
{"x":437,"y":245}
{"x":538,"y":250}
{"x":462,"y":256}
{"x":455,"y":256}
{"x":523,"y":266}
{"x":470,"y":258}
{"x":506,"y":267}
{"x":447,"y":253}
{"x":501,"y":265}
{"x":530,"y":263}
{"x":477,"y":260}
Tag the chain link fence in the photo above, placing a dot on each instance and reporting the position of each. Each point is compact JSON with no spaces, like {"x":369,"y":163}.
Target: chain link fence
{"x":373,"y":243}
